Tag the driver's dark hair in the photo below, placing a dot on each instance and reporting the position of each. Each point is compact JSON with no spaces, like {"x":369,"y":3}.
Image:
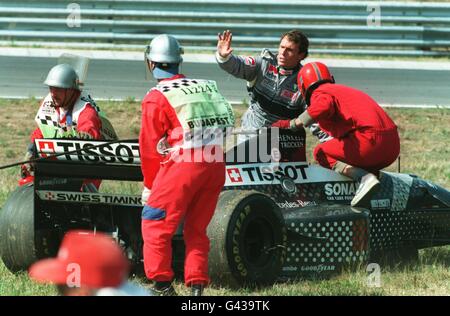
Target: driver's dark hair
{"x":298,"y":38}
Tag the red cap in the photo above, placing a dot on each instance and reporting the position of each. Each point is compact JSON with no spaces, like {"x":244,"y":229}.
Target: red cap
{"x":95,"y":259}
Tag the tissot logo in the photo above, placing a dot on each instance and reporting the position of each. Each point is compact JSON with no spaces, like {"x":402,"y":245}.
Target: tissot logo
{"x":250,"y":174}
{"x":46,"y":148}
{"x":234,"y":175}
{"x":123,"y":153}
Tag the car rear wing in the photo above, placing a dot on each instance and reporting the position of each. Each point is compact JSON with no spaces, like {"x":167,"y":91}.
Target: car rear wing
{"x":115,"y":160}
{"x":120,"y":159}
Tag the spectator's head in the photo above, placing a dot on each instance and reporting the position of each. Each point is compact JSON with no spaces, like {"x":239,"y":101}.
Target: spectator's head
{"x":85,"y":263}
{"x":293,"y":48}
{"x":163,"y":56}
{"x":311,"y":76}
{"x":63,"y":83}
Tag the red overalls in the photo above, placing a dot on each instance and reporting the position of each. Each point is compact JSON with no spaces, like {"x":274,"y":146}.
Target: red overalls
{"x":364,"y":135}
{"x":88,"y":121}
{"x":179,"y":189}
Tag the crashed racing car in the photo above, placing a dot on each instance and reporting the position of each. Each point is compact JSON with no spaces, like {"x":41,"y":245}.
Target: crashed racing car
{"x":276,"y":219}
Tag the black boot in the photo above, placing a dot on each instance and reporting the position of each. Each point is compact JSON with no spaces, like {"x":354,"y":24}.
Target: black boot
{"x":163,"y":289}
{"x":197,"y":290}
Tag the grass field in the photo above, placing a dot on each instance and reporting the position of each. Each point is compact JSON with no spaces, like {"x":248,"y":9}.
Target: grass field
{"x":424,"y":151}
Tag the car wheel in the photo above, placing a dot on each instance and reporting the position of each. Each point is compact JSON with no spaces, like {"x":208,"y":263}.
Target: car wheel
{"x":248,"y":239}
{"x":20,"y":243}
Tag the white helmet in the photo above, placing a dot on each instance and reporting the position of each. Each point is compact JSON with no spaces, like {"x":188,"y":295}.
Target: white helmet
{"x":164,"y":49}
{"x":62,"y":76}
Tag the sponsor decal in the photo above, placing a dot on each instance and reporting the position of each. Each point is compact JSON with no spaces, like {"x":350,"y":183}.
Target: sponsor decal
{"x":286,"y":72}
{"x":49,"y":196}
{"x":272,"y":70}
{"x":380,"y":204}
{"x":295,"y":204}
{"x":290,"y":268}
{"x":272,"y":173}
{"x":266,"y":173}
{"x":91,"y":198}
{"x":234,"y":175}
{"x":319,"y":268}
{"x":52,"y":181}
{"x":340,"y":191}
{"x":250,"y":61}
{"x":295,"y":96}
{"x":199,"y":89}
{"x":46,"y":147}
{"x":209,"y":122}
{"x":291,"y":141}
{"x":249,"y":174}
{"x":123,"y":153}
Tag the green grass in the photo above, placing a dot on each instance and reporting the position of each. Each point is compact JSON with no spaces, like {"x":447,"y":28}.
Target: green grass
{"x":424,"y":151}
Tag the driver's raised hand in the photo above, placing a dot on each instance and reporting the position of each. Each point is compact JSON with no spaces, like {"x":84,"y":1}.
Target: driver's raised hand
{"x":224,"y":44}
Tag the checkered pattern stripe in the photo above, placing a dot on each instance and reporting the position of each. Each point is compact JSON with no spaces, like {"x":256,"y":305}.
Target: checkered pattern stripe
{"x":47,"y":120}
{"x":181,"y":83}
{"x":91,"y":101}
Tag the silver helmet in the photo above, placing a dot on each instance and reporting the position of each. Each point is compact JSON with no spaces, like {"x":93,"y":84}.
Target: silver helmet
{"x":164,"y":49}
{"x":62,"y":76}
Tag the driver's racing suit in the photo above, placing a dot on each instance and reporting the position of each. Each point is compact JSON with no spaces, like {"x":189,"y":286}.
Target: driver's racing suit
{"x":273,"y":90}
{"x":188,"y":188}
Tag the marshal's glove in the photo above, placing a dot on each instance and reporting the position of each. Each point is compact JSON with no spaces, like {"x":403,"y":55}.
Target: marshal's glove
{"x":285,"y":124}
{"x":84,"y":135}
{"x":145,"y":195}
{"x":282,"y":124}
{"x":27,"y":169}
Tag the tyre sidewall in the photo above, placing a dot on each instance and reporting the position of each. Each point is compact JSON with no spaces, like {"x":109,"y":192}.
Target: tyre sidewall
{"x":260,"y":212}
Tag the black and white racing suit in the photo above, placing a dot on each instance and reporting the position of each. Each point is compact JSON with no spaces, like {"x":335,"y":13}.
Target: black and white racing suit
{"x":273,"y":90}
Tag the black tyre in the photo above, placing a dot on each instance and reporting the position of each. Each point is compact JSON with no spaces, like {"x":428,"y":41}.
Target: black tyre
{"x":20,"y":243}
{"x":248,"y":239}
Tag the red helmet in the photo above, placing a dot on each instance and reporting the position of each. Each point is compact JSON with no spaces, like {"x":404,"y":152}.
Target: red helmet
{"x":311,"y":76}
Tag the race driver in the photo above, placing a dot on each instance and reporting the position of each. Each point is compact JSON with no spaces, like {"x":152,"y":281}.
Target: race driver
{"x":180,"y":141}
{"x":365,"y":137}
{"x":68,"y":113}
{"x":271,"y":81}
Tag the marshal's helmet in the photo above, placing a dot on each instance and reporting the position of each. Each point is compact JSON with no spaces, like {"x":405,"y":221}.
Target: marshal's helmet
{"x":311,"y":76}
{"x":165,"y":51}
{"x":63,"y":76}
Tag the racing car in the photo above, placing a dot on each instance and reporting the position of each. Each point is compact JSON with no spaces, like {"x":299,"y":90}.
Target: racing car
{"x":276,"y":219}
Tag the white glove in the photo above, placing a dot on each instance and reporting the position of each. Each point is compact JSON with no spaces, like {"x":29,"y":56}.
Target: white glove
{"x":145,"y":195}
{"x":321,"y":135}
